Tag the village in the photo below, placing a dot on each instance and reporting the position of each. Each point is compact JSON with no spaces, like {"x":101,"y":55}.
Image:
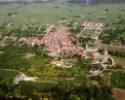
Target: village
{"x":62,"y":49}
{"x":61,"y":45}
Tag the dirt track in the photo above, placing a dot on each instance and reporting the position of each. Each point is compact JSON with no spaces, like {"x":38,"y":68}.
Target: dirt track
{"x":119,"y":94}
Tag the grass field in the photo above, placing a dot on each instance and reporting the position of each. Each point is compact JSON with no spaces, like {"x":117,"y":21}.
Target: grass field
{"x":7,"y":75}
{"x":52,"y":12}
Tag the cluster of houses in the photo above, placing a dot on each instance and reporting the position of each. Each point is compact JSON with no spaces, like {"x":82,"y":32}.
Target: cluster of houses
{"x":97,"y":27}
{"x":100,"y":60}
{"x":58,"y":42}
{"x":91,"y":30}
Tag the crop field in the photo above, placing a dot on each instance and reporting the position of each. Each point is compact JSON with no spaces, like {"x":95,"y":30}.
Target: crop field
{"x":52,"y":12}
{"x":119,"y":60}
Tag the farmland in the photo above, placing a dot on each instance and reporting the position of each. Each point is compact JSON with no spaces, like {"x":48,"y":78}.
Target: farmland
{"x":25,"y":45}
{"x":57,"y":10}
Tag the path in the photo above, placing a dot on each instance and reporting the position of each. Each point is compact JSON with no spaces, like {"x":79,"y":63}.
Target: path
{"x":119,"y":94}
{"x":21,"y":76}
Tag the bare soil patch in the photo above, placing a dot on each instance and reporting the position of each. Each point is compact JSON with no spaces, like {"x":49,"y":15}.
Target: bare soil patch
{"x":119,"y":94}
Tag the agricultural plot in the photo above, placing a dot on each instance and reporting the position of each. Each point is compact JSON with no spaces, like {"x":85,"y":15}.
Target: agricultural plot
{"x":52,"y":12}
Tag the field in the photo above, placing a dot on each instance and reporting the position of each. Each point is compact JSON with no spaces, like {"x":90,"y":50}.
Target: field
{"x":52,"y":12}
{"x":119,"y":60}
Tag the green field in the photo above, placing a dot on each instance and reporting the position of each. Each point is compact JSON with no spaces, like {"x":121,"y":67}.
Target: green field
{"x":52,"y":12}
